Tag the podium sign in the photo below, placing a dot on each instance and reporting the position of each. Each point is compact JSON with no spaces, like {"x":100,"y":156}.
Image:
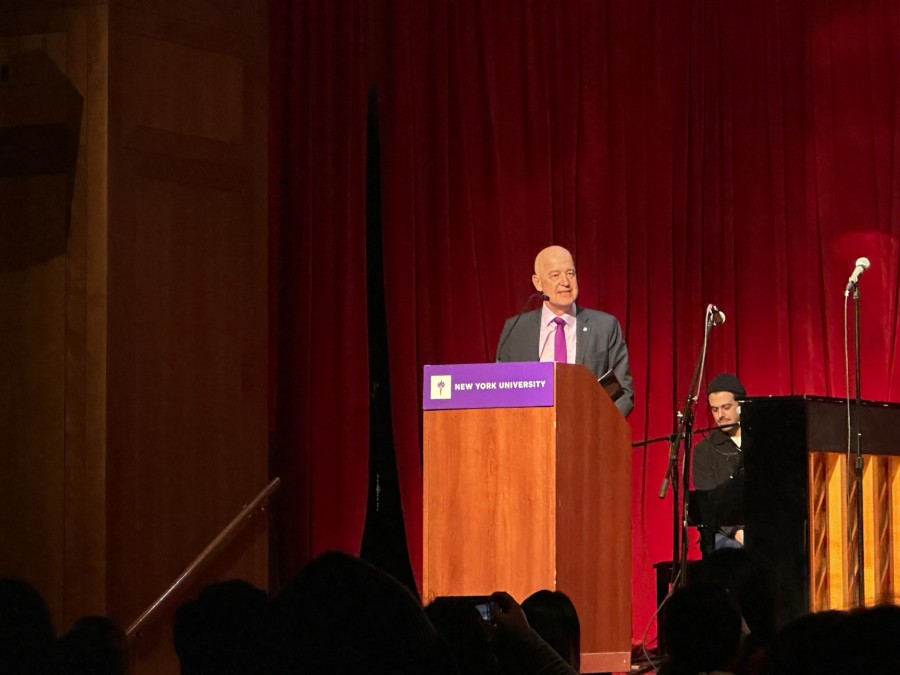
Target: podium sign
{"x":488,"y":385}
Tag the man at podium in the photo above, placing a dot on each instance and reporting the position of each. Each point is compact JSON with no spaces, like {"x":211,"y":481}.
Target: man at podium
{"x":561,"y":331}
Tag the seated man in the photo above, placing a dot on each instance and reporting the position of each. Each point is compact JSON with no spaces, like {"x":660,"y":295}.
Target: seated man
{"x":718,"y":465}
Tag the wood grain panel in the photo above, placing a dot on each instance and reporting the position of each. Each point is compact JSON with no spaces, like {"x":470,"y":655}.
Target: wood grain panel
{"x":851,"y":521}
{"x":42,"y":142}
{"x":187,"y":301}
{"x":213,"y":24}
{"x":489,"y":488}
{"x":89,"y":593}
{"x":594,"y":516}
{"x":882,"y":564}
{"x":191,"y":424}
{"x":184,"y":90}
{"x":880,"y":490}
{"x":57,"y":68}
{"x":818,"y":530}
{"x":894,"y":487}
{"x":838,"y":568}
{"x":131,"y":470}
{"x":870,"y":514}
{"x":32,"y":370}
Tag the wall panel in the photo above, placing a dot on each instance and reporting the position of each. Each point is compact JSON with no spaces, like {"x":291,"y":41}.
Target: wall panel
{"x":133,"y":295}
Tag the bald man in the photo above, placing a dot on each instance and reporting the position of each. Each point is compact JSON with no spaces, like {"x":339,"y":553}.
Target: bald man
{"x":562,"y":331}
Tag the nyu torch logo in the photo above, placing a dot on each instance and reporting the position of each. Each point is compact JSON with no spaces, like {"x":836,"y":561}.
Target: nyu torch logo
{"x":441,"y":387}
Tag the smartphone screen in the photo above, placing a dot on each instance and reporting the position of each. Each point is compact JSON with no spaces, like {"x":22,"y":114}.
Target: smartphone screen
{"x":484,"y":608}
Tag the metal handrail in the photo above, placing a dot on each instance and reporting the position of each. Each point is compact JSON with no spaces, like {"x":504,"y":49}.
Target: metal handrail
{"x":214,"y":546}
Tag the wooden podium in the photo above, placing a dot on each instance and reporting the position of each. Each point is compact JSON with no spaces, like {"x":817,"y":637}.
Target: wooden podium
{"x":528,"y":498}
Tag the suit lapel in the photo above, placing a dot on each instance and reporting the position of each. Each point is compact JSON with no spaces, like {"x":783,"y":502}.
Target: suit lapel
{"x":583,"y":334}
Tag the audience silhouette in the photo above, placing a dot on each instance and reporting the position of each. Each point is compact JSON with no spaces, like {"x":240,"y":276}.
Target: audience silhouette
{"x":343,"y":615}
{"x":553,"y":616}
{"x":750,"y":582}
{"x":703,"y":631}
{"x":467,"y":633}
{"x":855,"y":642}
{"x":27,"y":636}
{"x":94,"y":645}
{"x":222,"y":631}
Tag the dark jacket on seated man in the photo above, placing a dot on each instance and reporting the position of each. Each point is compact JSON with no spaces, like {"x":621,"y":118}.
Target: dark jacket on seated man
{"x":718,"y":469}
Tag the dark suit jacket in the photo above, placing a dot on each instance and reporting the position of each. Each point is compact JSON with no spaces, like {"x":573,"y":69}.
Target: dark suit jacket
{"x":598,"y":344}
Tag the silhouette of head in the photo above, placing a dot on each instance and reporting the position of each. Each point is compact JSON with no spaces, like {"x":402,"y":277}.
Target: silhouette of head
{"x":26,"y":630}
{"x":222,"y":630}
{"x":552,"y":615}
{"x":94,"y":645}
{"x":342,"y":615}
{"x":703,"y":629}
{"x":466,"y":632}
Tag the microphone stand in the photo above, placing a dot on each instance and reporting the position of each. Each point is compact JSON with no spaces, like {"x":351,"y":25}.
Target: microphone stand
{"x":858,"y":472}
{"x":680,"y":501}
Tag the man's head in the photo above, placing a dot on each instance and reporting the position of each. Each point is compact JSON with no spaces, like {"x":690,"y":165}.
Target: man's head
{"x":554,"y":276}
{"x":723,"y":393}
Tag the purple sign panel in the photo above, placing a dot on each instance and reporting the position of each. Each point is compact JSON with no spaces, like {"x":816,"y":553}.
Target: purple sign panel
{"x":488,"y":385}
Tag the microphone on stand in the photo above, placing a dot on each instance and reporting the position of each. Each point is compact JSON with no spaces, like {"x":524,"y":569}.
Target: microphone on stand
{"x":519,"y":316}
{"x":862,"y":264}
{"x":716,"y":315}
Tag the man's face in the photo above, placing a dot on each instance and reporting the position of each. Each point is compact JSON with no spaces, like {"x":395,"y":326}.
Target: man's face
{"x":554,"y":276}
{"x":724,"y":409}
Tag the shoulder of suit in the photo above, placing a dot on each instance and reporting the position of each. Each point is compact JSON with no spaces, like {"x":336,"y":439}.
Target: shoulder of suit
{"x":524,"y":315}
{"x":585,"y":314}
{"x":533,"y":315}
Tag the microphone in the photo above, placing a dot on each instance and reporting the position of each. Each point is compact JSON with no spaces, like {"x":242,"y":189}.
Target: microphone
{"x":716,"y":315}
{"x":862,"y":264}
{"x":519,"y":316}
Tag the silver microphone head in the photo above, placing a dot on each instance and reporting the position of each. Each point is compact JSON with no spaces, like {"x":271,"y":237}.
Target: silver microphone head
{"x":716,"y":314}
{"x":862,"y":264}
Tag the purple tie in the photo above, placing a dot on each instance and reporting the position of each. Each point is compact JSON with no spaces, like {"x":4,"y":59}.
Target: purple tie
{"x":559,"y":345}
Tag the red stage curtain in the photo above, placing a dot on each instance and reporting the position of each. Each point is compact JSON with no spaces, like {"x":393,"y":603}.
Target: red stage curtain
{"x":319,"y":358}
{"x":689,"y":152}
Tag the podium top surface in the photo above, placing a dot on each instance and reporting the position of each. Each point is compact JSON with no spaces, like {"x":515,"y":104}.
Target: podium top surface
{"x":526,"y":384}
{"x":812,"y":398}
{"x":823,"y":421}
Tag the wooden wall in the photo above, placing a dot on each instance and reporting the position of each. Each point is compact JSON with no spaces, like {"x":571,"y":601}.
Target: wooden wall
{"x":133,"y":297}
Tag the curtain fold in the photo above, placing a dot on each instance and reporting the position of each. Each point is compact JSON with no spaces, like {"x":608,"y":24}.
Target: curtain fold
{"x":319,"y":371}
